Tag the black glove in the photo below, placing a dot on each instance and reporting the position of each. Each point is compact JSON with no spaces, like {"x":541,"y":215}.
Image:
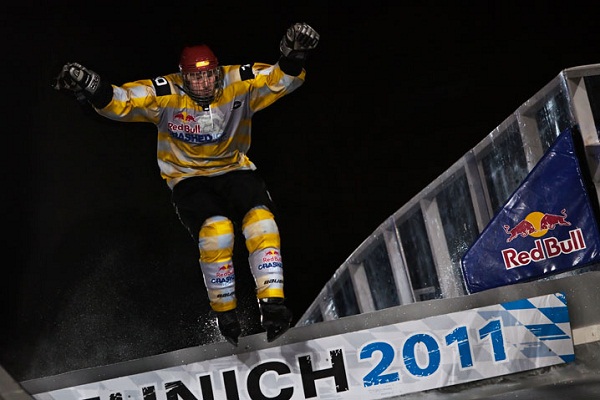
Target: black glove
{"x":298,"y":39}
{"x":76,"y":78}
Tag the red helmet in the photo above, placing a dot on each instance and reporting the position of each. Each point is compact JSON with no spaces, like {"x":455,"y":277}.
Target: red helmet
{"x":197,"y":58}
{"x":198,"y":63}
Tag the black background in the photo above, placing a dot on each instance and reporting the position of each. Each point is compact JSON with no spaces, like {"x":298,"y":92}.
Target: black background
{"x":97,"y":268}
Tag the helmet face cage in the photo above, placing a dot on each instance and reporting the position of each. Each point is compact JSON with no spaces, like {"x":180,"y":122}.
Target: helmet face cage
{"x":209,"y":92}
{"x":202,"y":76}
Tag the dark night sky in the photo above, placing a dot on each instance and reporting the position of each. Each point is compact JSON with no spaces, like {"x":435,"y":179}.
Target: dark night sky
{"x":99,"y":269}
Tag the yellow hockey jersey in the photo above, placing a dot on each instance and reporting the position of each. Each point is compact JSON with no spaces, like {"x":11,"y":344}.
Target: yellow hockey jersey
{"x":197,"y":141}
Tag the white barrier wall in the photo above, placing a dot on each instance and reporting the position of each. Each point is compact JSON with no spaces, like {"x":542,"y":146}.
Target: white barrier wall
{"x":393,"y":352}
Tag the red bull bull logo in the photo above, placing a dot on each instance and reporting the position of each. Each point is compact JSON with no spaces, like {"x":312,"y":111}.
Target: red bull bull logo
{"x":225,"y":270}
{"x":537,"y":224}
{"x":271,"y":255}
{"x":184,"y":117}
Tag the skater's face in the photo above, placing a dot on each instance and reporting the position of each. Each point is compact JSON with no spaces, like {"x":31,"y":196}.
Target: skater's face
{"x":201,"y":83}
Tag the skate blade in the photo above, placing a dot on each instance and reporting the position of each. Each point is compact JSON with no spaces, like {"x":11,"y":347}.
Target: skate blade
{"x":273,"y":333}
{"x":233,"y":341}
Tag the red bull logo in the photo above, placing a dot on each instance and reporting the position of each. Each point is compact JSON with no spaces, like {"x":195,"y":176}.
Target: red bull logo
{"x":537,"y":224}
{"x":225,"y":270}
{"x":271,"y":256}
{"x":185,"y":127}
{"x":184,"y":117}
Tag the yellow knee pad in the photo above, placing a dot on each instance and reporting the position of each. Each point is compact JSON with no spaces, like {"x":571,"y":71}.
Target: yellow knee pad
{"x":260,"y":229}
{"x":215,"y":242}
{"x":263,"y":243}
{"x":215,"y":239}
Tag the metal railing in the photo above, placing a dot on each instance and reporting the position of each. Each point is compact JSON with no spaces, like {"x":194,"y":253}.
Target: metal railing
{"x":415,"y":254}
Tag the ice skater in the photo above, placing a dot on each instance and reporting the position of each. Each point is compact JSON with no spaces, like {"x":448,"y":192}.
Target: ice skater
{"x":203,"y":116}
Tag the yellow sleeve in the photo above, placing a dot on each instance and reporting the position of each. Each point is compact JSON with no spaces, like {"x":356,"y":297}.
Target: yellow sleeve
{"x":271,"y":83}
{"x":137,"y":101}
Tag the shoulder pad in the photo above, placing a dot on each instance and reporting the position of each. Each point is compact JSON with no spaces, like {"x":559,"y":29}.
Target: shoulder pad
{"x":161,"y":86}
{"x":246,"y":72}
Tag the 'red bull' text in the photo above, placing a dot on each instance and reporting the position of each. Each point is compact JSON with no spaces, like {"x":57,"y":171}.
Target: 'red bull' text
{"x":544,"y":249}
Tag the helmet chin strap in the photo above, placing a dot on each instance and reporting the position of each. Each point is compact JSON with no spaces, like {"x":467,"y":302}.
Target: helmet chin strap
{"x":203,"y":101}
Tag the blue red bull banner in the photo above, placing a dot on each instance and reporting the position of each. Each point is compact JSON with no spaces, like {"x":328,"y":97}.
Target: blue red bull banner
{"x":546,"y":227}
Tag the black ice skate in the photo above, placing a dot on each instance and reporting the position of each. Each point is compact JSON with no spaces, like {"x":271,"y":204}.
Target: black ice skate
{"x":229,"y":326}
{"x":275,"y":317}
